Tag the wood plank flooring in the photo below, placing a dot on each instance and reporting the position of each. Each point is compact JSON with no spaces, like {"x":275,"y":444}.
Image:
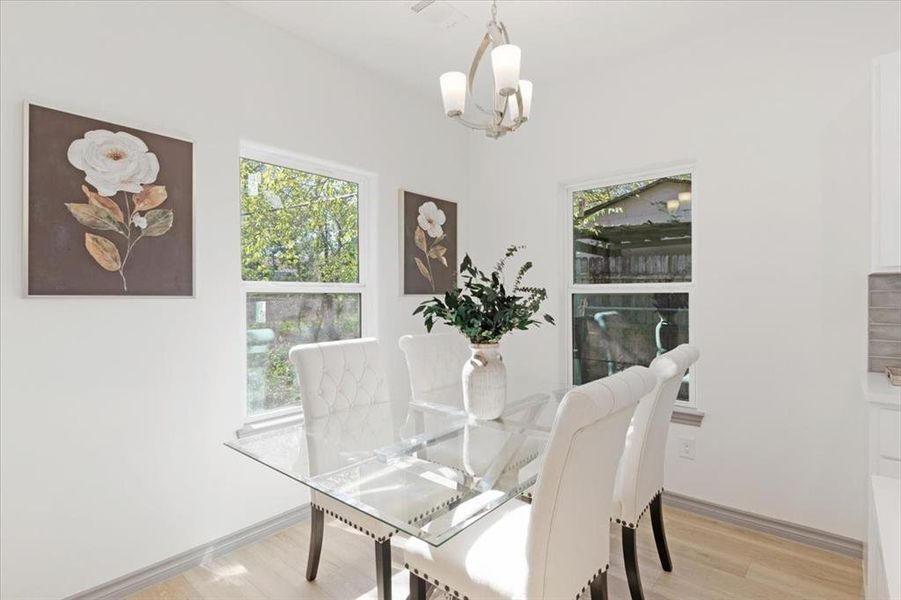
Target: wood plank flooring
{"x":712,"y":561}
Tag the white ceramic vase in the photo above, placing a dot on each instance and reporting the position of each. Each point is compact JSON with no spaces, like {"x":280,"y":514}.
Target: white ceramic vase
{"x":484,"y":382}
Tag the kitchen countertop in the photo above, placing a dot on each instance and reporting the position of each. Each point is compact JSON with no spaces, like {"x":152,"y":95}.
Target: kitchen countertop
{"x":877,"y":389}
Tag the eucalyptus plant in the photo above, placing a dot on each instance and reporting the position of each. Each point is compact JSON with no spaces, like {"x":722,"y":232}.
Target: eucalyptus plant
{"x":484,"y":309}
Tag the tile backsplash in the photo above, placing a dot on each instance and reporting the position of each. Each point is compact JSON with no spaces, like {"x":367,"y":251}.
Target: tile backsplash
{"x":884,"y":321}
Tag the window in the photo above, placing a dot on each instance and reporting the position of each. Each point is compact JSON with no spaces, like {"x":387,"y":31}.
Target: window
{"x":302,"y":257}
{"x":631,"y":272}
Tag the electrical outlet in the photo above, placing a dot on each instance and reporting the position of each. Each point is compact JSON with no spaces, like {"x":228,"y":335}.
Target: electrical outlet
{"x":687,"y":448}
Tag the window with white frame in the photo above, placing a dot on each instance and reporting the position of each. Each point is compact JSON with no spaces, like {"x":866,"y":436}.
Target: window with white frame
{"x":630,"y":283}
{"x":302,"y":257}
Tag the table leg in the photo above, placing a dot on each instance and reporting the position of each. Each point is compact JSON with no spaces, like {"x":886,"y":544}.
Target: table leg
{"x":418,"y":588}
{"x":383,"y":569}
{"x":317,"y":523}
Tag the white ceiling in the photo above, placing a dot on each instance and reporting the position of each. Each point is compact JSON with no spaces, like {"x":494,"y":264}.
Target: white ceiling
{"x":559,"y":39}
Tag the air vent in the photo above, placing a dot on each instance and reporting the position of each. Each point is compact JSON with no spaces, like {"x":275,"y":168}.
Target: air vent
{"x":439,"y":14}
{"x":421,"y":5}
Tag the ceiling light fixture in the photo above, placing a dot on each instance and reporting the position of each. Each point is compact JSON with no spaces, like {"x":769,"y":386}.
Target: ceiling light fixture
{"x":512,"y":100}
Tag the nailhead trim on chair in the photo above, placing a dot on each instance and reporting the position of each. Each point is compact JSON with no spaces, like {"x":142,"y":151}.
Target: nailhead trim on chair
{"x":590,"y":581}
{"x":644,"y":510}
{"x":347,"y":521}
{"x":457,"y":594}
{"x":384,"y":538}
{"x":435,"y":582}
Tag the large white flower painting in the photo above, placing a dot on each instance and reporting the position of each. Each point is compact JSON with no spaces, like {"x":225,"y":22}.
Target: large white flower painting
{"x":124,"y":200}
{"x":109,"y":208}
{"x":430,"y":258}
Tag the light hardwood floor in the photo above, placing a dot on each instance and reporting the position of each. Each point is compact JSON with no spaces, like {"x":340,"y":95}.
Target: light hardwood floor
{"x":712,"y":560}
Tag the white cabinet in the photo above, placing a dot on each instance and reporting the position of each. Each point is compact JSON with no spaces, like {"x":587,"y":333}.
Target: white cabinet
{"x":883,"y":553}
{"x":884,"y":539}
{"x":886,"y":188}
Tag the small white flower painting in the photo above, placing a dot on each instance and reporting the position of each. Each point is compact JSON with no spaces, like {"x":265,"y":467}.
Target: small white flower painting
{"x":429,"y":245}
{"x":128,"y":196}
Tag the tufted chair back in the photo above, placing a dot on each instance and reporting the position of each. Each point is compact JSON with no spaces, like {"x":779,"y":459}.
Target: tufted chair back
{"x":640,"y":475}
{"x":335,"y":376}
{"x":435,"y":363}
{"x":569,"y":529}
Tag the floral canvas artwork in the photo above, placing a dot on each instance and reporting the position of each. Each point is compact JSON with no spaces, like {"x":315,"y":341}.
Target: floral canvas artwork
{"x":109,"y":208}
{"x":429,"y":245}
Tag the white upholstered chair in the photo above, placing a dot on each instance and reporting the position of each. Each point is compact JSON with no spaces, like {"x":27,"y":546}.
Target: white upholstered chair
{"x":336,"y":376}
{"x":639,"y":481}
{"x":559,"y":545}
{"x":435,"y":363}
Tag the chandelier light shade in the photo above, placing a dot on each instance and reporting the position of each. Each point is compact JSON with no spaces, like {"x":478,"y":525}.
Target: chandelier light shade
{"x":512,"y":101}
{"x":453,"y":93}
{"x":505,"y":64}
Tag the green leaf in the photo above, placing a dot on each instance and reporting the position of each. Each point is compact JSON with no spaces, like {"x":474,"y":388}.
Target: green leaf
{"x":423,"y":270}
{"x":419,"y":239}
{"x":103,"y":251}
{"x":105,"y":203}
{"x":150,"y":196}
{"x":93,"y":216}
{"x":158,"y":222}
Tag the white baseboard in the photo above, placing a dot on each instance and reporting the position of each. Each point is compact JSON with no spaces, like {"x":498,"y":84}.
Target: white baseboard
{"x":156,"y":573}
{"x":165,"y":569}
{"x":790,"y":531}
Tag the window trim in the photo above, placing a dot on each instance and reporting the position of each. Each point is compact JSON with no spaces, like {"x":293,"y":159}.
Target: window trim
{"x":367,"y":186}
{"x":571,"y":288}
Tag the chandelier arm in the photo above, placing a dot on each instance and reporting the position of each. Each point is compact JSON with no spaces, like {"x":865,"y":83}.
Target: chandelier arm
{"x":471,"y":124}
{"x":485,"y":111}
{"x":520,"y":118}
{"x":503,"y":30}
{"x":502,"y":114}
{"x":496,"y":34}
{"x":486,"y":41}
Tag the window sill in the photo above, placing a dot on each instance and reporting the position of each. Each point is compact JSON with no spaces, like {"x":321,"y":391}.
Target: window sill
{"x":684,"y":415}
{"x":270,"y":423}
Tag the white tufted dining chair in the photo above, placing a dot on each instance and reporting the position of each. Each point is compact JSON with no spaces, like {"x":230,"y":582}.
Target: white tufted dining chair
{"x":639,"y":481}
{"x":333,"y":377}
{"x":435,"y":364}
{"x":559,"y":545}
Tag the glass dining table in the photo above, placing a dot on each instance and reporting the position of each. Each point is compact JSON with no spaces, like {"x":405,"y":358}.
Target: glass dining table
{"x":422,"y":466}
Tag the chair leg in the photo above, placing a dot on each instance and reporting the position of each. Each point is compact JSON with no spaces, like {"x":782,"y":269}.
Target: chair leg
{"x":630,"y":556}
{"x":383,"y":569}
{"x":317,"y":525}
{"x":418,"y":587}
{"x":660,"y":533}
{"x":599,"y":587}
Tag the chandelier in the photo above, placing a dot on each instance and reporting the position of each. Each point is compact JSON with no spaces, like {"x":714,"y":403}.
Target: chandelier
{"x":512,"y":98}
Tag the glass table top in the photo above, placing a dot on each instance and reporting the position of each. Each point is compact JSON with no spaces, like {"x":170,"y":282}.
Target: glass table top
{"x":422,"y":467}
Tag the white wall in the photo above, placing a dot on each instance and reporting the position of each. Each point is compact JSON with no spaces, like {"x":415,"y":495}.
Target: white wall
{"x":776,"y":116}
{"x":114,"y":411}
